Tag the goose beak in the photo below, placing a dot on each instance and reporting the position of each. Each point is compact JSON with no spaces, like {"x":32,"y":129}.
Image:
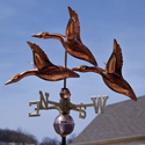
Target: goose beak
{"x":38,"y":35}
{"x":8,"y":82}
{"x":43,"y":35}
{"x":77,"y":68}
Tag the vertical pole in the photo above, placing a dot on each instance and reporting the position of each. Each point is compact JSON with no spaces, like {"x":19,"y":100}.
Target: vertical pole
{"x":63,"y":141}
{"x":65,"y":65}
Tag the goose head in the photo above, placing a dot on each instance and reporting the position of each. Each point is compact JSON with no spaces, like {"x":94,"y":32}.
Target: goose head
{"x":15,"y":79}
{"x":82,"y":68}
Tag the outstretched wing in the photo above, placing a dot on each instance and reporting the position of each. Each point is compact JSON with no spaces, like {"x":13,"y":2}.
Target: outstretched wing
{"x":73,"y":26}
{"x":39,"y":57}
{"x":115,"y":62}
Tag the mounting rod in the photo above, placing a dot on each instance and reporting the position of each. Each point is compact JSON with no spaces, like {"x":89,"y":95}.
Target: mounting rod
{"x":65,"y":65}
{"x":63,"y":141}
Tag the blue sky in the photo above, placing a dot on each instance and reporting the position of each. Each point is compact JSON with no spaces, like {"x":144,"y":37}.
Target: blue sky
{"x":101,"y":22}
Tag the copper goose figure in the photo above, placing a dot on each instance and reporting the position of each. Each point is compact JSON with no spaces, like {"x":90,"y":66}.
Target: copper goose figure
{"x":71,"y":41}
{"x":112,"y":75}
{"x":45,"y":69}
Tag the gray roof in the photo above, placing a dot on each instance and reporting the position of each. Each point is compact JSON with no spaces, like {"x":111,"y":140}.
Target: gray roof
{"x":124,"y":121}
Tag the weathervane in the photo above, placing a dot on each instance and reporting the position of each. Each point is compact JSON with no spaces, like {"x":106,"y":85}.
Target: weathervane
{"x":46,"y":70}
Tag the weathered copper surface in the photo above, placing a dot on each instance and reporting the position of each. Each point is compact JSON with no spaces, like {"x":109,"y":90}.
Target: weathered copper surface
{"x":112,"y":75}
{"x":71,"y":41}
{"x":45,"y":69}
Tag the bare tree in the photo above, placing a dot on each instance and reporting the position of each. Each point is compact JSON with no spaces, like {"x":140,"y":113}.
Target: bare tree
{"x":48,"y":141}
{"x":8,"y":136}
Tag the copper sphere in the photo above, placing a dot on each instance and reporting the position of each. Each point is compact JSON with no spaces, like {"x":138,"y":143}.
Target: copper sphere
{"x":64,"y":125}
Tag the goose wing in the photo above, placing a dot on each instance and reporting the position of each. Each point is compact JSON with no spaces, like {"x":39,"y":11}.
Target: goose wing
{"x":115,"y":62}
{"x":73,"y":26}
{"x":39,"y":57}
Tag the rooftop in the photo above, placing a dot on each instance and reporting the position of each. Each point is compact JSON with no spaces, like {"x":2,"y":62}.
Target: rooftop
{"x":124,"y":121}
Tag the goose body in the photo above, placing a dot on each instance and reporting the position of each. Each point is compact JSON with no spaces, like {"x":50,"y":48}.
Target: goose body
{"x":71,"y":41}
{"x":45,"y":69}
{"x":112,"y":75}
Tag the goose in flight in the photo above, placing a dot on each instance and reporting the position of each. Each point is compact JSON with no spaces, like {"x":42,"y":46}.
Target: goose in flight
{"x":71,"y":41}
{"x":112,"y":75}
{"x":44,"y":68}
